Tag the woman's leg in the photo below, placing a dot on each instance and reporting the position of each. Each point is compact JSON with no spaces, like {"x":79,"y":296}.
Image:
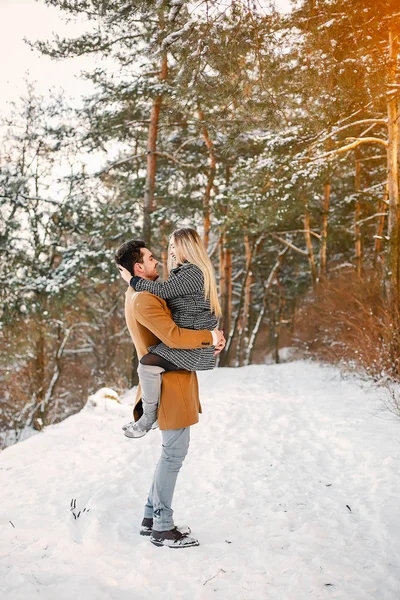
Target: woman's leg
{"x":150,"y":383}
{"x":158,"y":361}
{"x":150,"y":369}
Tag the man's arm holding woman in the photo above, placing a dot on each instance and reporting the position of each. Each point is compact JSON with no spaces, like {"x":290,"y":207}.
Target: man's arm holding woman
{"x":151,"y":312}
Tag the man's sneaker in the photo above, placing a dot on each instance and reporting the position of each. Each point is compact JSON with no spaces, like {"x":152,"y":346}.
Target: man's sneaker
{"x":147,"y":526}
{"x":172,"y":538}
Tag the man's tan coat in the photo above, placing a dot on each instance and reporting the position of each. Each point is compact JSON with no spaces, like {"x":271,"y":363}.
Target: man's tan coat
{"x":149,"y":321}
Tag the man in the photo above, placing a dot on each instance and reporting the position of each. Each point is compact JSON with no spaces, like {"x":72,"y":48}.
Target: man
{"x":149,"y":321}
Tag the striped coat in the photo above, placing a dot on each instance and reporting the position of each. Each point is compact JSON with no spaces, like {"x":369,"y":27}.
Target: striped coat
{"x":184,"y":294}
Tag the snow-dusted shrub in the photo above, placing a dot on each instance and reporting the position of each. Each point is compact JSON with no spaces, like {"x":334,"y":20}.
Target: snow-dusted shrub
{"x":348,"y":321}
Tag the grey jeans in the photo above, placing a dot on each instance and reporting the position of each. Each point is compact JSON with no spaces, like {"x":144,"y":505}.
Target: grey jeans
{"x":175,"y":445}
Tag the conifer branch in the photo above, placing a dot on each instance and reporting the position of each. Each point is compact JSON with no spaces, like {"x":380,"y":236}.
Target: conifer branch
{"x":174,"y":159}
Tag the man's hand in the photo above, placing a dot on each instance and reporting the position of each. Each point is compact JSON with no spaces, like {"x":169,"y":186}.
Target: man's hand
{"x":126,"y":276}
{"x":221,"y":341}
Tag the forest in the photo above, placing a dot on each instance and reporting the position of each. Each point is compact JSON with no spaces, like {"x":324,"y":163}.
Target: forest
{"x":275,"y":135}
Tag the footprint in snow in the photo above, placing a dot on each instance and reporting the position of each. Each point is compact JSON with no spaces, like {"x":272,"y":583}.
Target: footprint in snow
{"x":79,"y":520}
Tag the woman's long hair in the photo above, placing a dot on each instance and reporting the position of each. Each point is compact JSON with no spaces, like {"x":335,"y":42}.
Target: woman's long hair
{"x":188,"y":246}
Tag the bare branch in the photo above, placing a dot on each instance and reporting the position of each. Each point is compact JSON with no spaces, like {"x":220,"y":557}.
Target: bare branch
{"x":357,"y":142}
{"x":344,"y":127}
{"x":371,"y":217}
{"x":292,"y":246}
{"x":317,"y":235}
{"x":171,"y":157}
{"x":121,"y":162}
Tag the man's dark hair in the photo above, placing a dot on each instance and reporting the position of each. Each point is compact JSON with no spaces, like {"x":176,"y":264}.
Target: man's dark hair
{"x":129,"y":253}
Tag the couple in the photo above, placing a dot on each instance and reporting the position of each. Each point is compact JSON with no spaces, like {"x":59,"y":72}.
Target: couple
{"x":173,"y":326}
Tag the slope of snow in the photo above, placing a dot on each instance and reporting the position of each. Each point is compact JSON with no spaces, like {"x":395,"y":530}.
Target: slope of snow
{"x":291,"y":485}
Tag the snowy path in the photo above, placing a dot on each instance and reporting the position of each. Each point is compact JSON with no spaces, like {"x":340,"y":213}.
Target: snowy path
{"x":291,"y":485}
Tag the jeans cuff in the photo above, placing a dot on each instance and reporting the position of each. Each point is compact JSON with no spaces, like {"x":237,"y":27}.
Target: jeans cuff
{"x":162,"y":524}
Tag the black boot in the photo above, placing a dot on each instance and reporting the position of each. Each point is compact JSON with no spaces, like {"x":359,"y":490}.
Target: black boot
{"x":172,"y":538}
{"x":147,"y":526}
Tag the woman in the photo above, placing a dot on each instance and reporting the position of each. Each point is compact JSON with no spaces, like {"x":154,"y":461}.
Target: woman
{"x":191,"y":294}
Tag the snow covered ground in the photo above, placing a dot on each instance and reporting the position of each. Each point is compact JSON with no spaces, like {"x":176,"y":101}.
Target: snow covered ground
{"x":291,"y":485}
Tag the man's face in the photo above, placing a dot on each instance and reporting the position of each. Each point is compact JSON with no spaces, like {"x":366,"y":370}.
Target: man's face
{"x":148,"y":268}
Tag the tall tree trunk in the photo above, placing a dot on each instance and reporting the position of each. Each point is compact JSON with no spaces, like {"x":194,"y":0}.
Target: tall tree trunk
{"x":393,"y":246}
{"x":227,"y":298}
{"x":382,"y":207}
{"x":324,"y":229}
{"x":148,"y":203}
{"x":309,"y":245}
{"x":164,"y":251}
{"x":39,"y":364}
{"x":210,"y":181}
{"x":39,"y":376}
{"x":275,"y":326}
{"x":225,"y":276}
{"x":221,"y":252}
{"x":245,"y":317}
{"x":226,"y":293}
{"x":164,"y":261}
{"x":235,"y":323}
{"x":357,"y":215}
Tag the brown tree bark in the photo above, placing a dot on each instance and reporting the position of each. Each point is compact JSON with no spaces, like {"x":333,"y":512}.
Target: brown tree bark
{"x":221,"y":270}
{"x":227,"y":299}
{"x":393,"y":246}
{"x":310,"y":250}
{"x":357,"y":215}
{"x":39,"y":376}
{"x":245,"y":317}
{"x":378,"y":257}
{"x":148,"y":201}
{"x":210,"y":181}
{"x":231,"y":336}
{"x":225,"y":290}
{"x":324,"y":229}
{"x":164,"y":252}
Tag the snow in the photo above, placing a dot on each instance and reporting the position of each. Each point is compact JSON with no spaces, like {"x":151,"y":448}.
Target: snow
{"x":291,"y":485}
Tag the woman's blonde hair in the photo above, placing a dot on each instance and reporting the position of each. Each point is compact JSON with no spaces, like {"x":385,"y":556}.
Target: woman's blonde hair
{"x":188,"y":246}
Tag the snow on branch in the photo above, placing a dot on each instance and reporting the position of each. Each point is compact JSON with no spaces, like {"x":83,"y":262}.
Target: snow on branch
{"x":353,"y":124}
{"x":317,"y":235}
{"x":176,"y":6}
{"x":175,"y":35}
{"x":380,"y":214}
{"x":174,"y":159}
{"x":136,"y":156}
{"x":121,"y":162}
{"x":356,"y":142}
{"x":290,"y":245}
{"x":357,"y":112}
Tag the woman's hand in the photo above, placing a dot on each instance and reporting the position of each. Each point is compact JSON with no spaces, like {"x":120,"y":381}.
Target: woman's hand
{"x":221,"y":341}
{"x":126,"y":276}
